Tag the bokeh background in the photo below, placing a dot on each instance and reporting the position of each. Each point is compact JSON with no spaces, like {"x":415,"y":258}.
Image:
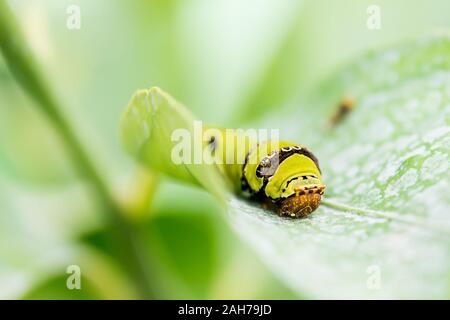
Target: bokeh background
{"x":232,"y":62}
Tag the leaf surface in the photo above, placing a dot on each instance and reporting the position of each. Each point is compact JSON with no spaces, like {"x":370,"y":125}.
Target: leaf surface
{"x":383,"y":230}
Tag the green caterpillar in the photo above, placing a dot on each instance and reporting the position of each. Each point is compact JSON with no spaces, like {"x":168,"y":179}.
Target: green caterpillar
{"x":282,"y":175}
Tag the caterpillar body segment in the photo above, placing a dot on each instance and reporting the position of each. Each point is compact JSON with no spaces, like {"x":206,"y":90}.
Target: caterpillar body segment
{"x":282,"y":175}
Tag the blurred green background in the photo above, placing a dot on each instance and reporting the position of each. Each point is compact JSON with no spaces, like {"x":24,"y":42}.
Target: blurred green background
{"x":230,"y":61}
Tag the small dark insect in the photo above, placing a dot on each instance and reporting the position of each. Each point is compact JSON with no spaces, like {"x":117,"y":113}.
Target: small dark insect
{"x":345,"y":106}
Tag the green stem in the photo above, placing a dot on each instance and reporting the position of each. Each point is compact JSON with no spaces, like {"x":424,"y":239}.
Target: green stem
{"x":383,"y":214}
{"x":20,"y":61}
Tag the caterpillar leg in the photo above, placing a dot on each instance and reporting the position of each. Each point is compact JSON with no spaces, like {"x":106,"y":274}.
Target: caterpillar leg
{"x":268,"y":204}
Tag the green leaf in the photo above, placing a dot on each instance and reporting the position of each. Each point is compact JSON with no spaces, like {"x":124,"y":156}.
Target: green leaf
{"x":147,"y":126}
{"x":383,"y":230}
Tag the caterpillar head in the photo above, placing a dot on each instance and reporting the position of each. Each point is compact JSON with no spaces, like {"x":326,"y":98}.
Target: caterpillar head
{"x":296,"y":185}
{"x":303,"y":198}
